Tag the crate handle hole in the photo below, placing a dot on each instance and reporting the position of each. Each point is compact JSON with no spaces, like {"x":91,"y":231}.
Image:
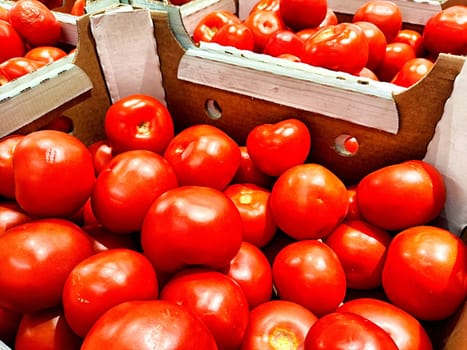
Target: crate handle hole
{"x":346,"y":145}
{"x":213,"y":109}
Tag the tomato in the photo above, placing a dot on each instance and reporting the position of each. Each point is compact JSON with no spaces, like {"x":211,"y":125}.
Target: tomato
{"x":191,"y":225}
{"x":406,"y":331}
{"x":270,"y":5}
{"x":60,"y":123}
{"x":53,"y":173}
{"x":11,"y":215}
{"x":413,"y":38}
{"x":103,"y":239}
{"x":308,"y":201}
{"x":46,"y":329}
{"x":253,"y":204}
{"x":149,"y":325}
{"x":7,"y":182}
{"x":301,"y":14}
{"x":277,"y":324}
{"x":127,"y":186}
{"x":276,"y":147}
{"x":35,"y":22}
{"x":250,"y":268}
{"x":386,"y":15}
{"x":367,"y":73}
{"x":104,"y":280}
{"x":340,"y":47}
{"x":263,"y":23}
{"x":248,"y":172}
{"x":217,"y":299}
{"x":446,"y":31}
{"x":237,"y":35}
{"x":16,"y":67}
{"x":46,"y":54}
{"x":353,"y":212}
{"x":38,"y":256}
{"x":203,"y":155}
{"x":284,"y":41}
{"x":11,"y":43}
{"x":376,"y":44}
{"x":397,"y":54}
{"x":413,"y":191}
{"x":9,"y":323}
{"x":309,"y":273}
{"x":345,"y":330}
{"x":290,"y":57}
{"x":4,"y":14}
{"x":361,"y":248}
{"x":211,"y":23}
{"x":78,"y":8}
{"x":412,"y":71}
{"x":138,"y":122}
{"x":101,"y":152}
{"x":425,"y":272}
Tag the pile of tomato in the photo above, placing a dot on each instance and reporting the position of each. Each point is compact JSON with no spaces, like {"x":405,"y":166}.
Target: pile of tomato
{"x":373,"y":43}
{"x":157,"y":238}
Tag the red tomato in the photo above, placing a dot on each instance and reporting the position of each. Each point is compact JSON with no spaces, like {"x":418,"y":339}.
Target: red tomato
{"x":11,"y":215}
{"x":104,"y":280}
{"x":345,"y":330}
{"x":301,"y":14}
{"x":341,"y":47}
{"x":412,"y":71}
{"x":61,"y":123}
{"x":386,"y":15}
{"x":103,"y":239}
{"x":16,"y":67}
{"x":11,"y":43}
{"x":446,"y":31}
{"x":45,"y":54}
{"x":4,"y":14}
{"x":9,"y":323}
{"x":353,"y":213}
{"x":46,"y":329}
{"x":217,"y":299}
{"x":376,"y":44}
{"x":126,"y":188}
{"x":139,"y":122}
{"x":38,"y":256}
{"x":101,"y":152}
{"x":270,"y":5}
{"x":250,"y":268}
{"x":78,"y":8}
{"x":237,"y":35}
{"x":7,"y":182}
{"x":264,"y":23}
{"x":397,"y":54}
{"x":274,"y":148}
{"x":211,"y":23}
{"x":247,"y":172}
{"x":191,"y":225}
{"x":284,"y":41}
{"x":413,"y":38}
{"x":203,"y":155}
{"x":277,"y":324}
{"x":308,"y":201}
{"x":361,"y":248}
{"x":309,"y":273}
{"x":367,"y":73}
{"x":425,"y":272}
{"x":149,"y":325}
{"x":35,"y":22}
{"x":406,"y":331}
{"x":413,"y":192}
{"x":63,"y":173}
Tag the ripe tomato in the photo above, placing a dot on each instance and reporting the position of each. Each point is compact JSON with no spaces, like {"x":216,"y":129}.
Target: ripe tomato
{"x":341,"y":47}
{"x":41,"y":329}
{"x":397,"y":54}
{"x":77,"y":9}
{"x":386,"y":15}
{"x":361,"y":248}
{"x":7,"y":147}
{"x":149,"y":325}
{"x":277,"y":324}
{"x":101,"y":152}
{"x":45,"y":54}
{"x":203,"y":155}
{"x":38,"y":256}
{"x":9,"y":323}
{"x":12,"y":215}
{"x":103,"y":239}
{"x":90,"y":289}
{"x":263,"y":23}
{"x":16,"y":67}
{"x":248,"y":172}
{"x":413,"y":191}
{"x":127,"y":186}
{"x":138,"y":122}
{"x":376,"y":44}
{"x":4,"y":14}
{"x":413,"y":38}
{"x":345,"y":330}
{"x":367,"y":73}
{"x":35,"y":22}
{"x":191,"y":225}
{"x":425,"y":272}
{"x":11,"y":43}
{"x":237,"y":35}
{"x":62,"y":169}
{"x":308,"y":201}
{"x":274,"y":148}
{"x":353,"y":212}
{"x":270,"y":5}
{"x":301,"y":14}
{"x":60,"y":123}
{"x":412,"y":71}
{"x":217,"y":299}
{"x":446,"y":31}
{"x":309,"y":273}
{"x":284,"y":42}
{"x":406,"y":331}
{"x":208,"y":26}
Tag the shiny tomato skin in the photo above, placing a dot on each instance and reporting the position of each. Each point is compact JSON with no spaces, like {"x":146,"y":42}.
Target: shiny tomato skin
{"x":264,"y":23}
{"x":45,"y":54}
{"x":103,"y":239}
{"x":237,"y":35}
{"x":11,"y":43}
{"x":308,"y":201}
{"x":284,"y":42}
{"x":203,"y":155}
{"x":77,"y":9}
{"x":16,"y":67}
{"x":412,"y":71}
{"x":414,"y":194}
{"x":149,"y":325}
{"x":413,"y":38}
{"x":248,"y":172}
{"x":127,"y":186}
{"x":406,"y":331}
{"x":38,"y":256}
{"x":397,"y":54}
{"x":309,"y":273}
{"x":216,"y":298}
{"x":425,"y":272}
{"x":90,"y":289}
{"x":353,"y":213}
{"x":11,"y":215}
{"x":278,"y":324}
{"x":101,"y":152}
{"x":7,"y":147}
{"x":301,"y":14}
{"x":53,"y":173}
{"x":208,"y":26}
{"x":376,"y":43}
{"x":270,"y":5}
{"x":191,"y":225}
